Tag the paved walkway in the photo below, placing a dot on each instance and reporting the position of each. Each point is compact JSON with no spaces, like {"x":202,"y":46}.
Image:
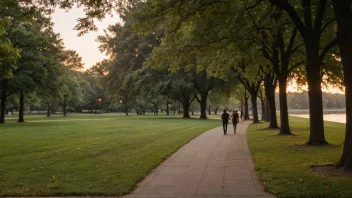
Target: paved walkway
{"x":211,"y":165}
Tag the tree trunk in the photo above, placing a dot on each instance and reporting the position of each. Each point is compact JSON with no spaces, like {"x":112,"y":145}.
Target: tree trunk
{"x":270,"y":97}
{"x":272,"y":106}
{"x":3,"y":106}
{"x":21,"y":110}
{"x":64,"y":106}
{"x":216,"y":110}
{"x":203,"y":106}
{"x":48,"y":110}
{"x":209,"y":113}
{"x":315,"y":95}
{"x":284,"y":120}
{"x":167,"y":106}
{"x":267,"y":111}
{"x":263,"y":109}
{"x":344,"y":16}
{"x":126,"y":102}
{"x":246,"y":110}
{"x":179,"y":109}
{"x":186,"y":106}
{"x":254,"y":108}
{"x":3,"y":102}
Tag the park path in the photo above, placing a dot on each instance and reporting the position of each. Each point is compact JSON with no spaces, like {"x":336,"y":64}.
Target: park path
{"x":211,"y":165}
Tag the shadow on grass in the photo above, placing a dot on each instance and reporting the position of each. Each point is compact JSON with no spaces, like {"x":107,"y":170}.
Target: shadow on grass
{"x":305,"y":145}
{"x":329,"y":170}
{"x":282,"y":135}
{"x":268,"y":129}
{"x":297,"y":130}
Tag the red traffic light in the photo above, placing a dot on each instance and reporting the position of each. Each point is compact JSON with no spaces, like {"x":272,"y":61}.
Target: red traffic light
{"x":99,"y":99}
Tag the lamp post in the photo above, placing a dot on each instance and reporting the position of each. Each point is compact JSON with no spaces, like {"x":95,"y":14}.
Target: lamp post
{"x":121,"y":104}
{"x":65,"y":104}
{"x":126,"y":100}
{"x":98,"y":101}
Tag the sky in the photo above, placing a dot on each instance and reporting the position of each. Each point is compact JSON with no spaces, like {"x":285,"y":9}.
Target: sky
{"x":86,"y":46}
{"x":292,"y":87}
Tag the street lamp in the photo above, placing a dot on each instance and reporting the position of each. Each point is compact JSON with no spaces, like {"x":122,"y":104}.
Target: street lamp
{"x":99,"y":101}
{"x":121,"y":105}
{"x":126,"y":99}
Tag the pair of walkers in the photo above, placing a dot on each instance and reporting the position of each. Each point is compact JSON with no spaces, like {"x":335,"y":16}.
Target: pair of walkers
{"x":225,"y":117}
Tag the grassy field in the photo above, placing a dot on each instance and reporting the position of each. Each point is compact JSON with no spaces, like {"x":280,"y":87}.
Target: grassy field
{"x":89,"y":154}
{"x":283,"y":162}
{"x":70,"y":117}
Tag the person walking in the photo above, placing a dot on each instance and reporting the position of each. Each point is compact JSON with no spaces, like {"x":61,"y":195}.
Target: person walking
{"x":235,"y":120}
{"x":225,"y":121}
{"x":241,"y":115}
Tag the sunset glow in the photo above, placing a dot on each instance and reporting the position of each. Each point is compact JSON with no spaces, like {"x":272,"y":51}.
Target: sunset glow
{"x":86,"y":45}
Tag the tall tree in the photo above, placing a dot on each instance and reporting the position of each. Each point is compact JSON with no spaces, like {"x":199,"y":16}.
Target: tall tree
{"x":8,"y":54}
{"x":270,"y":84}
{"x":343,"y":13}
{"x":311,"y":20}
{"x":8,"y":59}
{"x":183,"y":91}
{"x":251,"y":80}
{"x":126,"y":57}
{"x":262,"y":98}
{"x":33,"y":39}
{"x":203,"y":84}
{"x":70,"y":92}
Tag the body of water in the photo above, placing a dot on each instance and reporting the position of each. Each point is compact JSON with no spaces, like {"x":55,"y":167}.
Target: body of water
{"x":341,"y":118}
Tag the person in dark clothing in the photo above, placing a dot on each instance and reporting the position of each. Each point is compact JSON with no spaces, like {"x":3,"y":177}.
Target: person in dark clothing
{"x":225,"y":121}
{"x":235,"y":119}
{"x":241,"y":115}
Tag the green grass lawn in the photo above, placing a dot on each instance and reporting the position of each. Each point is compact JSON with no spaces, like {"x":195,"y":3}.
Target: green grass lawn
{"x":283,"y":162}
{"x":88,"y":157}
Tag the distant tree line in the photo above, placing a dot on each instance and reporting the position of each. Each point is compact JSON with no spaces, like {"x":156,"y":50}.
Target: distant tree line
{"x":36,"y":71}
{"x":300,"y":100}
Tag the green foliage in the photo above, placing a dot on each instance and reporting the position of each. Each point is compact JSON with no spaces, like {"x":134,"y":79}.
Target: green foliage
{"x":41,"y":66}
{"x":8,"y":59}
{"x":71,"y":89}
{"x":73,"y":61}
{"x":128,"y":52}
{"x":30,"y":69}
